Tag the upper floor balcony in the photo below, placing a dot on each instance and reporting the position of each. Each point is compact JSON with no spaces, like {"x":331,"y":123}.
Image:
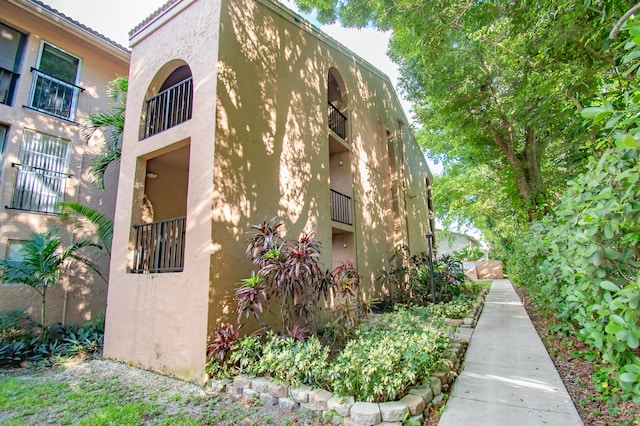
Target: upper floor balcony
{"x":341,"y":208}
{"x":337,"y":122}
{"x":53,"y":96}
{"x":169,"y":108}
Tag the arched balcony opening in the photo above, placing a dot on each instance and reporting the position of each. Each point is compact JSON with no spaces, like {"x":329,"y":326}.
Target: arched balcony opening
{"x":337,"y":99}
{"x":171,"y":105}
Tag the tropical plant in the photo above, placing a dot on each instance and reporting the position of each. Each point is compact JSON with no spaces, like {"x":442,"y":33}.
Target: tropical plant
{"x":103,"y":226}
{"x":42,"y":262}
{"x":111,"y":122}
{"x":290,"y":272}
{"x":469,"y":253}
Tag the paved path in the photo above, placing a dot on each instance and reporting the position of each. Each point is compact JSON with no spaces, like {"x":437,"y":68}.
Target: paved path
{"x":508,"y":377}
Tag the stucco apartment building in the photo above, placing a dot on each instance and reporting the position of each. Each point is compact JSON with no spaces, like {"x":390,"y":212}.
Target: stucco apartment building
{"x":240,"y":111}
{"x":53,"y":73}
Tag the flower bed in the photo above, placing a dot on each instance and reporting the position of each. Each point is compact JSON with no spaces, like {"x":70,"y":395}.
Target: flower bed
{"x":396,"y":368}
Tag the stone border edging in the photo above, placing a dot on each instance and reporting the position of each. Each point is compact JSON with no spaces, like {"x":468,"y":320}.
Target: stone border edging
{"x":345,"y":410}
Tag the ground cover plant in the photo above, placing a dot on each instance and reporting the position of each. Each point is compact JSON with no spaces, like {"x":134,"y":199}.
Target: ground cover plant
{"x":19,"y":345}
{"x":371,"y":360}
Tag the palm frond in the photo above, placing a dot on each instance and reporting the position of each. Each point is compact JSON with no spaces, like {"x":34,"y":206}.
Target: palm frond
{"x":103,"y":225}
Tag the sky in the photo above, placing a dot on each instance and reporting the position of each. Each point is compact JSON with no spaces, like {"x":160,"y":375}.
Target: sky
{"x":115,"y":18}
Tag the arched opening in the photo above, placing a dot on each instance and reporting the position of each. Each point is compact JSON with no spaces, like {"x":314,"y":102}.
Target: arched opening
{"x":171,"y":103}
{"x":159,"y":234}
{"x":337,"y":99}
{"x":340,"y":174}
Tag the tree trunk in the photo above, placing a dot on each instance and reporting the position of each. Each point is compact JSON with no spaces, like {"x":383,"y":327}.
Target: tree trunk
{"x":526,"y":169}
{"x":42,"y":316}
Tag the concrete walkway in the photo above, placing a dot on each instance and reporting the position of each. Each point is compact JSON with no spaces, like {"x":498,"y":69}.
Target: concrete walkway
{"x":508,"y":377}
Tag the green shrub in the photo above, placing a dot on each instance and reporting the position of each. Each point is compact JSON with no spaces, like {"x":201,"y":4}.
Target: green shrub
{"x":399,"y":350}
{"x":14,"y":325}
{"x":458,"y":308}
{"x":285,"y":359}
{"x":583,"y":264}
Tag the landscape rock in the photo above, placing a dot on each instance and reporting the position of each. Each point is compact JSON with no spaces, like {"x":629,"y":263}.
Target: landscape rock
{"x":424,"y":392}
{"x":261,"y":384}
{"x":278,"y":390}
{"x":318,"y":399}
{"x":300,"y":394}
{"x":415,"y":403}
{"x":341,"y":405}
{"x":393,"y":411}
{"x":242,"y":382}
{"x":268,"y":399}
{"x":365,"y":413}
{"x":287,"y":404}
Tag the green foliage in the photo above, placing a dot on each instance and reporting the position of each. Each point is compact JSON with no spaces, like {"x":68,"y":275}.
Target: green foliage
{"x":410,"y":276}
{"x":13,"y":325}
{"x":382,"y":360}
{"x":400,"y":350}
{"x":468,"y":253}
{"x":102,"y":225}
{"x":583,"y":262}
{"x":111,"y":122}
{"x":458,"y":308}
{"x":42,"y":264}
{"x":285,"y":359}
{"x":64,"y":342}
{"x":617,"y":110}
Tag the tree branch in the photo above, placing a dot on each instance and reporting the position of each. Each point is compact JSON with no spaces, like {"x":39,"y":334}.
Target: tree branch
{"x":616,"y":29}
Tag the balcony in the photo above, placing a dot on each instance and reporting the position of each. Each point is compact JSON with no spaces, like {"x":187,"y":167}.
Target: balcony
{"x":169,"y":108}
{"x":337,"y":122}
{"x":159,"y":246}
{"x":340,"y":208}
{"x":53,"y":96}
{"x":8,"y":81}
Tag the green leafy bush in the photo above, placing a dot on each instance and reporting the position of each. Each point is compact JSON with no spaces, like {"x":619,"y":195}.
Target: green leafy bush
{"x":410,"y":276}
{"x":285,"y":359}
{"x":583,"y":263}
{"x":15,"y":325}
{"x":458,"y":308}
{"x":402,"y":348}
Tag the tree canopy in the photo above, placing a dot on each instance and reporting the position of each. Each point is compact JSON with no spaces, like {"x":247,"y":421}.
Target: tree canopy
{"x":497,"y":88}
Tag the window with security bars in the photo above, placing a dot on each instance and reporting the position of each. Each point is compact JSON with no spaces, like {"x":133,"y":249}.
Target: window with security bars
{"x":42,"y":173}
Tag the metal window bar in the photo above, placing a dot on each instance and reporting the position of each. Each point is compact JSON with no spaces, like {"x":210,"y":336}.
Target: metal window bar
{"x":340,"y":207}
{"x":8,"y":81}
{"x":53,"y":96}
{"x":169,"y":108}
{"x":38,"y":189}
{"x":159,"y":246}
{"x":337,"y":122}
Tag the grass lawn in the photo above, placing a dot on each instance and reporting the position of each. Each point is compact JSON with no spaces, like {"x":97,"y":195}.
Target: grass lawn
{"x":109,"y":393}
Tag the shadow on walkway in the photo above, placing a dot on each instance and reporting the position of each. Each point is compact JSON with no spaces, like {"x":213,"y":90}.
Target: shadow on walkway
{"x":508,"y":377}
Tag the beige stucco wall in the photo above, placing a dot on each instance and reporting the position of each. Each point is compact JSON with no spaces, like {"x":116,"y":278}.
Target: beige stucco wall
{"x":259,"y":149}
{"x":83,"y":295}
{"x":159,"y":321}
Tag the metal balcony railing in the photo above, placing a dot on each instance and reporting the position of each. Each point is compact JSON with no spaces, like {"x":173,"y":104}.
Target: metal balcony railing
{"x":8,"y":81}
{"x":169,"y":108}
{"x":340,"y":207}
{"x":159,"y":246}
{"x":53,"y":96}
{"x":337,"y":122}
{"x":37,"y":189}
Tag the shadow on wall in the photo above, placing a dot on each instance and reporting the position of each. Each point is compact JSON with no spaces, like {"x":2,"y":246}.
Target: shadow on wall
{"x":272,"y":150}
